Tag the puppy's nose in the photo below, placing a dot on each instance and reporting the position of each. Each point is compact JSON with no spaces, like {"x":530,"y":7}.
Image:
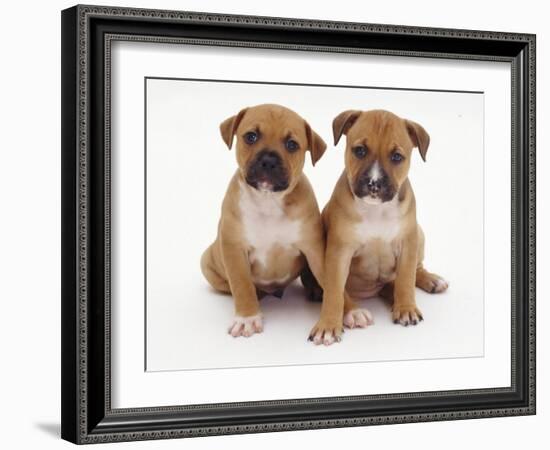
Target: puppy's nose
{"x":374,"y":186}
{"x":269,"y":161}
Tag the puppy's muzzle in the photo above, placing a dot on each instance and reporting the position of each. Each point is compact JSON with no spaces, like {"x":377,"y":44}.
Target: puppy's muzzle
{"x":376,"y":188}
{"x":373,"y":186}
{"x":267,"y":172}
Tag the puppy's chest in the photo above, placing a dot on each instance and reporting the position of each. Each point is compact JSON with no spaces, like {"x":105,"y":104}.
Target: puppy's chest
{"x":267,"y":230}
{"x":378,"y":230}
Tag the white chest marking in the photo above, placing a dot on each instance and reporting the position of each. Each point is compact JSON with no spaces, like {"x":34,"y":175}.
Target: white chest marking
{"x":265,"y":223}
{"x":378,"y":221}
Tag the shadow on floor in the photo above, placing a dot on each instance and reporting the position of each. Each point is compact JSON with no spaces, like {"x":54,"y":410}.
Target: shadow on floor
{"x":53,"y":429}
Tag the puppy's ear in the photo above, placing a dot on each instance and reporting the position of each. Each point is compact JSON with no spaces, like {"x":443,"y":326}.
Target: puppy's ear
{"x":315,"y":143}
{"x":343,"y":122}
{"x":229,"y":126}
{"x":419,"y":136}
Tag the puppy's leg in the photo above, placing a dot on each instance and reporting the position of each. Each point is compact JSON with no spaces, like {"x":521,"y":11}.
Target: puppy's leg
{"x":404,"y":310}
{"x":211,"y":270}
{"x":354,"y":316}
{"x":337,"y":263}
{"x":313,"y":248}
{"x":313,"y":290}
{"x":248,"y":319}
{"x":427,"y":281}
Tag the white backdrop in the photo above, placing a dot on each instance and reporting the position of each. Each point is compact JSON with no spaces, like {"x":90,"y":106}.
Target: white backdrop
{"x":189,"y":168}
{"x":30,"y":237}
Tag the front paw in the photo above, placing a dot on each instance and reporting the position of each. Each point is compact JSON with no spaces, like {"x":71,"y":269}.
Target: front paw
{"x":246,"y":326}
{"x":358,"y":318}
{"x":406,"y":314}
{"x":326,"y":332}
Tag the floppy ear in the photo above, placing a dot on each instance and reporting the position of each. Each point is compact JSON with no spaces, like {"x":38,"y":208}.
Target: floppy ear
{"x":315,"y":143}
{"x":343,"y":122}
{"x":229,"y":126}
{"x":419,"y":136}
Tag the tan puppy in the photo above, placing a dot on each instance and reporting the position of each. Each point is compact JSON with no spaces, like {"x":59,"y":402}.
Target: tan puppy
{"x":374,"y":244}
{"x":270,"y":227}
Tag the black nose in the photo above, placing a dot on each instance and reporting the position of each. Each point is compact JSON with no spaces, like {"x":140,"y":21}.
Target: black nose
{"x":269,"y":160}
{"x":374,"y":186}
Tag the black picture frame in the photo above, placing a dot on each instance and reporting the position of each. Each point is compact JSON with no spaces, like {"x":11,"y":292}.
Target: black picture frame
{"x":87,"y":32}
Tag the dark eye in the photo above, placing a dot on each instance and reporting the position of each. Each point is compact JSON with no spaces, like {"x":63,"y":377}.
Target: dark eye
{"x":251,"y":137}
{"x":397,"y":157}
{"x":292,"y":145}
{"x":360,"y":151}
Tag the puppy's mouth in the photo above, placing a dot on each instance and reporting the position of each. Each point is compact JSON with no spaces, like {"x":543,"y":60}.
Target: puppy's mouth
{"x":266,"y":184}
{"x":267,"y":172}
{"x":374,"y":191}
{"x":372,"y":200}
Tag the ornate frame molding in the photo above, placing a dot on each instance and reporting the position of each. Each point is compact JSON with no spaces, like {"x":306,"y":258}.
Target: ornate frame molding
{"x":77,"y":176}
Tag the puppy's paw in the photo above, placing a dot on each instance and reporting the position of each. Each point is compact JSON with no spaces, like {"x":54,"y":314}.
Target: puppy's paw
{"x":358,"y":318}
{"x":439,"y":284}
{"x":326,"y":332}
{"x":432,"y":283}
{"x":406,"y":315}
{"x":246,"y":326}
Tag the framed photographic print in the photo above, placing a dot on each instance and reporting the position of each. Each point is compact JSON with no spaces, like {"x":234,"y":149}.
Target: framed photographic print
{"x":281,"y":224}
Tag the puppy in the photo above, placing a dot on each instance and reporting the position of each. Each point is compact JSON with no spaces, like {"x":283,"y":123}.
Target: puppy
{"x":270,"y":230}
{"x":374,"y":244}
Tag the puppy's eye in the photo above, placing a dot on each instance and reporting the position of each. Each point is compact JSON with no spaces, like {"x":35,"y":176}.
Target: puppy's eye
{"x":360,"y":151}
{"x":291,"y":145}
{"x":397,"y":157}
{"x":251,"y":137}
